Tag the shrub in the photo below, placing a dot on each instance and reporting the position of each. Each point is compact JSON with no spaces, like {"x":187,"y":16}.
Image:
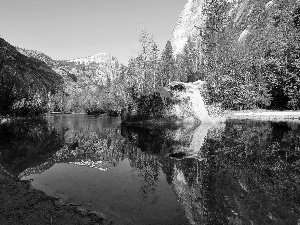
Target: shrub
{"x":30,"y":107}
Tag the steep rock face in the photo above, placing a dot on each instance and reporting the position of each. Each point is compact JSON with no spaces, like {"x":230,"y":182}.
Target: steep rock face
{"x":190,"y":17}
{"x":245,"y":18}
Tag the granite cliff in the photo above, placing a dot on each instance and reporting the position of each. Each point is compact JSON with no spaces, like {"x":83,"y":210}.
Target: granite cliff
{"x":190,"y":17}
{"x":245,"y":19}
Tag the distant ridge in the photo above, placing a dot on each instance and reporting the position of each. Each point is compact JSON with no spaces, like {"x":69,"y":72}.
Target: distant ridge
{"x":39,"y":56}
{"x":100,"y":58}
{"x":82,"y":71}
{"x":29,"y":71}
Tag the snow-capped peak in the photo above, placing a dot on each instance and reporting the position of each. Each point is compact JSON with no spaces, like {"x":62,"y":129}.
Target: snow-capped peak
{"x":98,"y":58}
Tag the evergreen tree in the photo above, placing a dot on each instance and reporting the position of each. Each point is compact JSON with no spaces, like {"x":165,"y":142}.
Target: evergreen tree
{"x":190,"y":60}
{"x":167,"y":65}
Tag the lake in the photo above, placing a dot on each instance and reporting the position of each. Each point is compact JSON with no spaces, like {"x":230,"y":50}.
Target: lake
{"x":232,"y":173}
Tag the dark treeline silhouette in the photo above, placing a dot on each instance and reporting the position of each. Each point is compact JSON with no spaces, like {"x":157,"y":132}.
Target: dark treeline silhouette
{"x":27,"y":143}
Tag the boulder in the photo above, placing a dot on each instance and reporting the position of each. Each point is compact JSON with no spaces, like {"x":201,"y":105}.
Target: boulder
{"x":189,"y":101}
{"x":178,"y":102}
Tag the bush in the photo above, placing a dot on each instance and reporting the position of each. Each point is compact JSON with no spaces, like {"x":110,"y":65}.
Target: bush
{"x":30,"y":107}
{"x":150,"y":106}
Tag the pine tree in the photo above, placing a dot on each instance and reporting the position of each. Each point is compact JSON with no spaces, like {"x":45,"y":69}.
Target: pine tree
{"x":167,"y":65}
{"x":190,"y":60}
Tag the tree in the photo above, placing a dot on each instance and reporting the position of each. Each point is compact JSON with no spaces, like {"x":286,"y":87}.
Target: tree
{"x":189,"y":61}
{"x":144,"y":68}
{"x":275,"y":52}
{"x":167,"y":65}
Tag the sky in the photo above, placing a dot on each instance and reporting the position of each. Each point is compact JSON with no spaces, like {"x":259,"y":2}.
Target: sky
{"x":68,"y":29}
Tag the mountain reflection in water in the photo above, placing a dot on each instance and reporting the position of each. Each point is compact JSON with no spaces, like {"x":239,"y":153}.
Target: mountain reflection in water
{"x":241,"y":173}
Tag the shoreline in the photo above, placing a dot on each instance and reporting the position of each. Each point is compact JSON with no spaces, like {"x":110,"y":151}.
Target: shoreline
{"x":23,"y":204}
{"x":264,"y":115}
{"x":229,"y":115}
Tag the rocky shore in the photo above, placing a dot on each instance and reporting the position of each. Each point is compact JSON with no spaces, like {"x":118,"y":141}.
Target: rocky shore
{"x":22,"y":204}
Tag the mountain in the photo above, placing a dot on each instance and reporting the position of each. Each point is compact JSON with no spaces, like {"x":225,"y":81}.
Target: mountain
{"x":27,"y":69}
{"x":94,"y":70}
{"x":100,"y":59}
{"x":190,"y":17}
{"x":244,"y":19}
{"x":84,"y":80}
{"x":39,"y":56}
{"x":24,"y":79}
{"x":99,"y":68}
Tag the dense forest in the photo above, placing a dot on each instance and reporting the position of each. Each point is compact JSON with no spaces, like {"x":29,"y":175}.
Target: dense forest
{"x":247,"y":62}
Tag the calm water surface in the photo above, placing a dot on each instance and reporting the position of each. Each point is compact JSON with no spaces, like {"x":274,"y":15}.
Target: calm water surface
{"x":233,"y":173}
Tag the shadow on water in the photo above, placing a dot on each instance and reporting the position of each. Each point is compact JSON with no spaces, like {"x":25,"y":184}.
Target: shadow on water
{"x":27,"y":143}
{"x":235,"y":173}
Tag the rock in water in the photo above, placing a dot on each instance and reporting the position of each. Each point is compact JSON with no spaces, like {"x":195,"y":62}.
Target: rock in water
{"x":178,"y":103}
{"x":191,"y":102}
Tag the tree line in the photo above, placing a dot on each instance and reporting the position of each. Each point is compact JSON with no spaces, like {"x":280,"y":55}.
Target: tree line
{"x":250,"y":64}
{"x":247,"y":63}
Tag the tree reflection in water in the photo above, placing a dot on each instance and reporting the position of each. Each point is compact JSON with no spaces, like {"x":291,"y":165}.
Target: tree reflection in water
{"x":27,"y":144}
{"x":241,"y":173}
{"x":246,"y":173}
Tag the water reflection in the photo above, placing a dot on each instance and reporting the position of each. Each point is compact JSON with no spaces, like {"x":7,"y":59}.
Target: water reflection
{"x":241,"y":173}
{"x":27,"y":143}
{"x":172,"y":141}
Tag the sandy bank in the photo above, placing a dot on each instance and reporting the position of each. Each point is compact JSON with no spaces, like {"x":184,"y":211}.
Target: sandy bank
{"x":228,"y":115}
{"x":278,"y":116}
